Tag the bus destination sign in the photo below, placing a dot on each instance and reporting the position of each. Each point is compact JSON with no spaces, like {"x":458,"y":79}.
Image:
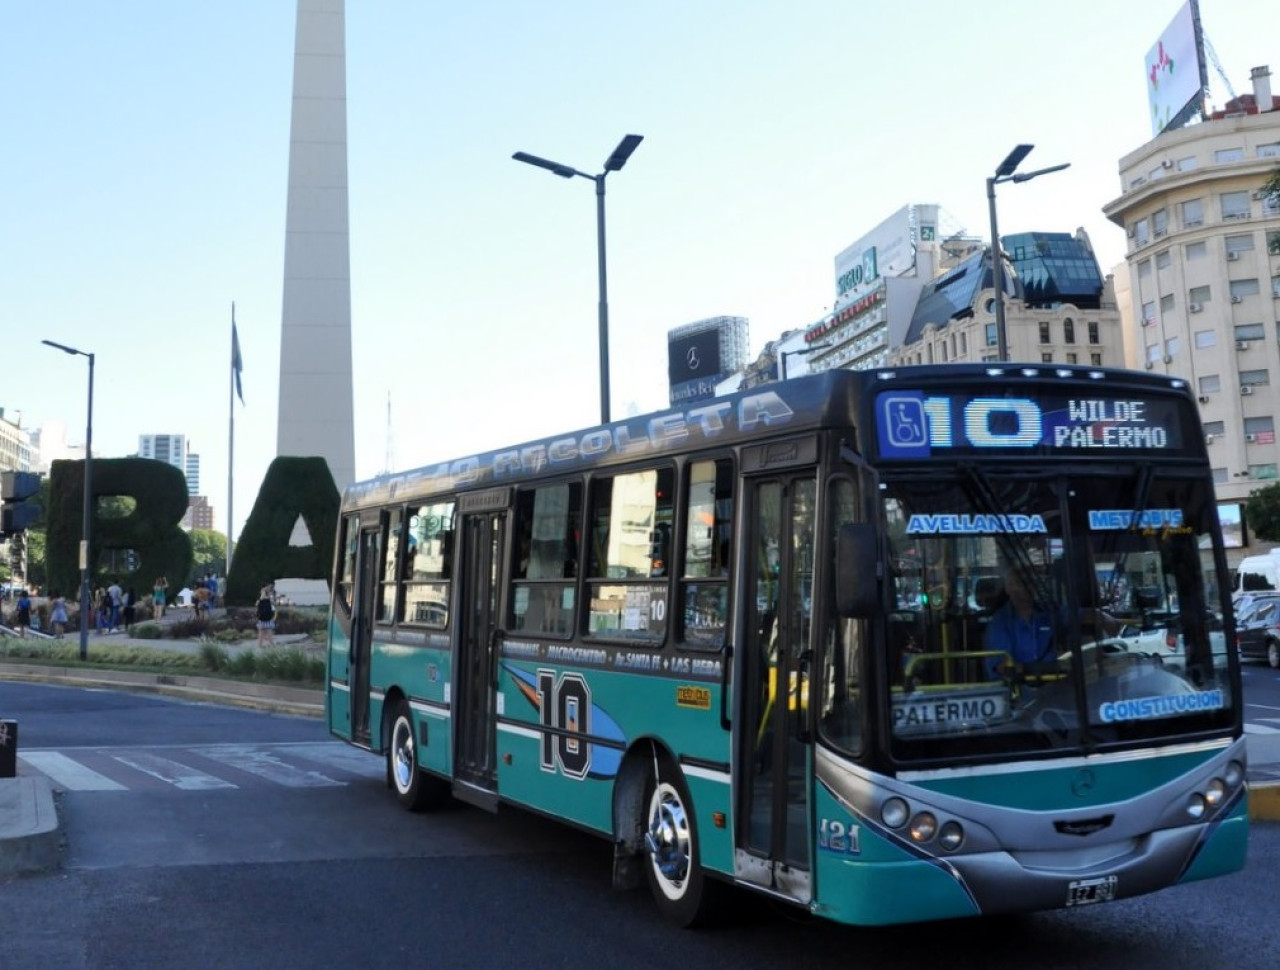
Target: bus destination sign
{"x":915,"y":424}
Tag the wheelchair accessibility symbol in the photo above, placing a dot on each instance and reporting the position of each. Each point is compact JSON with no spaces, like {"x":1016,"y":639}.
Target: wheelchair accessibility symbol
{"x":904,"y":422}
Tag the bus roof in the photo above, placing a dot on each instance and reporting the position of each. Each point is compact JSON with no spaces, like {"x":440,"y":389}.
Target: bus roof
{"x":828,"y":399}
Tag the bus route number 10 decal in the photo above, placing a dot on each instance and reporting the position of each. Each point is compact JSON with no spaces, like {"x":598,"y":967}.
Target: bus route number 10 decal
{"x":564,"y":710}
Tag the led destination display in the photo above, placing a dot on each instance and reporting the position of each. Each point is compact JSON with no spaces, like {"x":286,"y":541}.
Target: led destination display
{"x":913,"y":424}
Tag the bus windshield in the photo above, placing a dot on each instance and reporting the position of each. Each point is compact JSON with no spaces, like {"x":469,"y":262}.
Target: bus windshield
{"x":1035,"y":611}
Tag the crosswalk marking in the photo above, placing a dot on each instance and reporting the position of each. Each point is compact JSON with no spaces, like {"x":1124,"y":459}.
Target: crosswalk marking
{"x":291,"y":765}
{"x":343,"y":756}
{"x":256,"y":761}
{"x":178,"y":775}
{"x":68,"y":773}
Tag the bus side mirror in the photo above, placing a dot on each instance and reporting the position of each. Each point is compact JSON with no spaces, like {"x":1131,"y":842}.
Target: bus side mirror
{"x":857,"y":552}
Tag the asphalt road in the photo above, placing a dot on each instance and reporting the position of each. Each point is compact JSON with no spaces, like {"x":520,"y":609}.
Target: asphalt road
{"x":275,"y":847}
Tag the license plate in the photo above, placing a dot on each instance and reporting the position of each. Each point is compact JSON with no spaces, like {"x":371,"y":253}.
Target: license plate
{"x":1082,"y":892}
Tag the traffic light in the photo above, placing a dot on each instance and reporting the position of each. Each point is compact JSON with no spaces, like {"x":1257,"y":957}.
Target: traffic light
{"x":18,"y":514}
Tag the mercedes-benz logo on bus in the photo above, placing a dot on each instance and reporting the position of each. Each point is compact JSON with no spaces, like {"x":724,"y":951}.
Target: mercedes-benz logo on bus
{"x":1083,"y":782}
{"x":692,"y":358}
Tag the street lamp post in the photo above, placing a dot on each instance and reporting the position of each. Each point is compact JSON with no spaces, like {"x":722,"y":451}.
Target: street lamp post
{"x":1005,"y":173}
{"x":86,"y":526}
{"x":612,"y":164}
{"x":802,"y":352}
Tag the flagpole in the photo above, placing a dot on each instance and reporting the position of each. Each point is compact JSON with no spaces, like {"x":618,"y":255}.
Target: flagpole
{"x":231,"y":436}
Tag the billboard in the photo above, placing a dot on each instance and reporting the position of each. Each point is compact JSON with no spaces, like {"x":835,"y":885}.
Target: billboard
{"x":700,"y":355}
{"x":1175,"y":72}
{"x":887,"y":250}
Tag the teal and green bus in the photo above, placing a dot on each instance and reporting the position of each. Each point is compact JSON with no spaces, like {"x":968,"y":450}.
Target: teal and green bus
{"x":894,"y":645}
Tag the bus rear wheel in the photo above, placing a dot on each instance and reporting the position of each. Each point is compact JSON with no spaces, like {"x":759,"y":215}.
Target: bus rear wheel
{"x":414,"y":789}
{"x":672,"y":863}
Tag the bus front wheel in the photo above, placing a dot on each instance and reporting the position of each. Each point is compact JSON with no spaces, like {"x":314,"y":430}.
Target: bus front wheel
{"x":414,"y":789}
{"x":672,"y":866}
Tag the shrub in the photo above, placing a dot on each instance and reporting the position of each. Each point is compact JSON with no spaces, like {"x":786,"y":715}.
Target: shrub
{"x":213,"y":656}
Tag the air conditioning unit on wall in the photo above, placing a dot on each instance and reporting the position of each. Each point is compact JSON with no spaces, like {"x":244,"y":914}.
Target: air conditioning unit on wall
{"x":1196,"y":307}
{"x":1245,"y":390}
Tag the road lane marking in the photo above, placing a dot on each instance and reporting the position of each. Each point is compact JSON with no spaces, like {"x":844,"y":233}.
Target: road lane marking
{"x":69,"y":774}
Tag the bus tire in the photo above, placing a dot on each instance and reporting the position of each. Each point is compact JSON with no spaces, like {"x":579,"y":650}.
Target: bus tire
{"x":673,"y":867}
{"x":414,"y":790}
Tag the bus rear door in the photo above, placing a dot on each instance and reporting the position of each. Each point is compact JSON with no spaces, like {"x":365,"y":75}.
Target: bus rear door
{"x":483,"y":530}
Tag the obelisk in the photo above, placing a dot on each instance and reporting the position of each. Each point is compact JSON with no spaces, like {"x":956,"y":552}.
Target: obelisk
{"x":316,"y":413}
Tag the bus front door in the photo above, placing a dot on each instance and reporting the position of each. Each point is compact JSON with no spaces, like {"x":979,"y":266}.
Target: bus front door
{"x":772,"y":843}
{"x":475,"y":674}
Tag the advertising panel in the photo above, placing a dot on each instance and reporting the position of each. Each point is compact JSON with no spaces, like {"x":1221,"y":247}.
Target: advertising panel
{"x":887,"y":250}
{"x":1175,"y":76}
{"x":693,"y":365}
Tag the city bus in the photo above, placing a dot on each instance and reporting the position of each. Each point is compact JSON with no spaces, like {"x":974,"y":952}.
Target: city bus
{"x":751,"y":642}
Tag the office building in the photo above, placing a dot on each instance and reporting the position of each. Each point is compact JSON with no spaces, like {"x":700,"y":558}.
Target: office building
{"x":1059,"y":309}
{"x":1204,"y":265}
{"x":173,"y":449}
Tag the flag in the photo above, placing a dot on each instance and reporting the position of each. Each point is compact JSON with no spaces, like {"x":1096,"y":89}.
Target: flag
{"x":237,"y":365}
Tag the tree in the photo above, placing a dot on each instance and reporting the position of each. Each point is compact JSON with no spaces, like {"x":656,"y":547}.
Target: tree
{"x":209,"y":552}
{"x":1271,"y":187}
{"x":1262,"y":511}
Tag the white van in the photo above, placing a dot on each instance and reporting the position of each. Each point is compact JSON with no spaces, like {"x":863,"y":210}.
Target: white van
{"x":1257,"y":574}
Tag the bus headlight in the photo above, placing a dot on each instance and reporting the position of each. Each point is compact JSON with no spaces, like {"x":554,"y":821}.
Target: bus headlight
{"x":1215,"y":792}
{"x":894,"y":813}
{"x":1195,"y":805}
{"x":923,"y":827}
{"x":951,"y":836}
{"x":1234,"y":774}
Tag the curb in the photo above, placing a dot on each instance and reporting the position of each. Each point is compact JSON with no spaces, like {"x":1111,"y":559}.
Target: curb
{"x":32,"y":841}
{"x":301,"y":701}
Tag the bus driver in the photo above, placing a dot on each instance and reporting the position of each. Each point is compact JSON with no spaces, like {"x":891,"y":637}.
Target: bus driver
{"x":1023,"y":630}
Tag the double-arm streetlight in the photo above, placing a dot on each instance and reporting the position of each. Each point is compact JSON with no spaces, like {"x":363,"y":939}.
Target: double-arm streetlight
{"x":86,"y":527}
{"x":1005,"y":173}
{"x":612,"y":164}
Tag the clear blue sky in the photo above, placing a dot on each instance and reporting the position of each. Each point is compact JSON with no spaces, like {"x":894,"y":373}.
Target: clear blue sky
{"x":146,"y":147}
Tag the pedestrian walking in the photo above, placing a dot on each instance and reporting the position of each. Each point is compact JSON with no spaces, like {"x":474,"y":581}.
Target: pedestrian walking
{"x":22,"y":618}
{"x":57,"y":613}
{"x":129,"y":608}
{"x":101,"y":610}
{"x":114,"y":594}
{"x":266,"y":613}
{"x":159,"y":593}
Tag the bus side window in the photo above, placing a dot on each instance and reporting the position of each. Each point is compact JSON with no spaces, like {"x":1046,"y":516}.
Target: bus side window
{"x":628,"y":595}
{"x":428,"y":562}
{"x":547,"y":527}
{"x":387,"y":610}
{"x":704,"y":586}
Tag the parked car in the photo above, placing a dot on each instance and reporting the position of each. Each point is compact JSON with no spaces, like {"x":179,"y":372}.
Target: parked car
{"x":1258,"y":629}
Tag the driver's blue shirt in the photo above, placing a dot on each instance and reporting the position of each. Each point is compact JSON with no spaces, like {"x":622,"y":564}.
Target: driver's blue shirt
{"x":1025,"y":640}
